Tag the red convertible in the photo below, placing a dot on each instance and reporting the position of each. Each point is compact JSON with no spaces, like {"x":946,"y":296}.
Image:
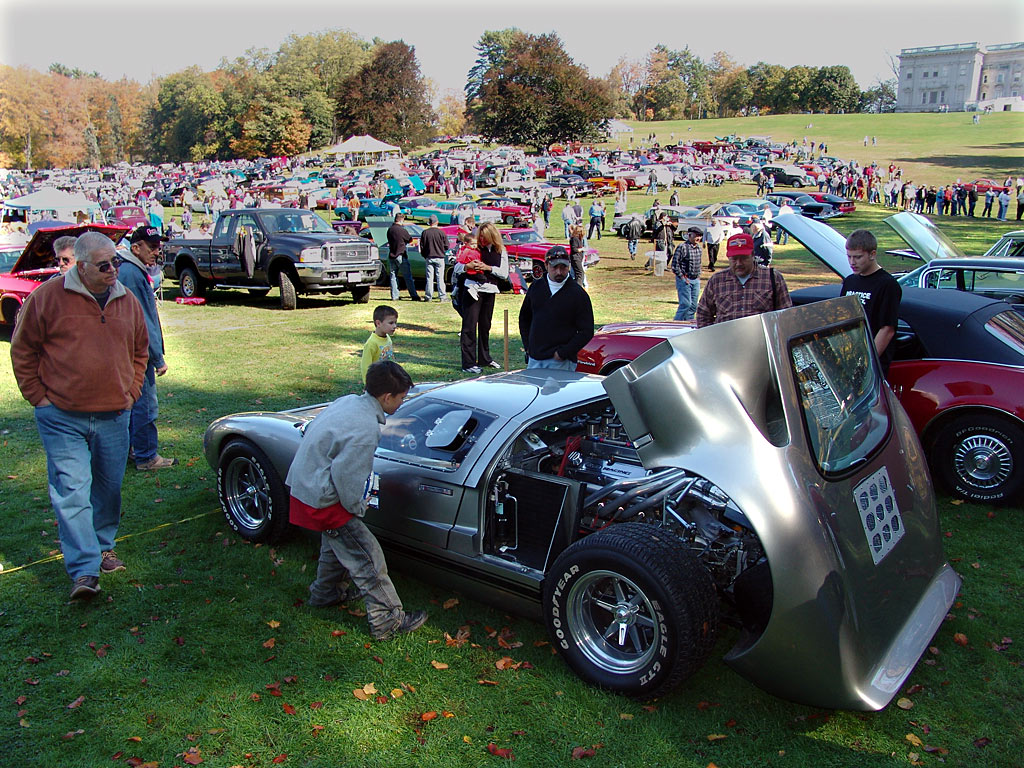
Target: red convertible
{"x":511,"y":211}
{"x":958,"y":372}
{"x":36,"y":265}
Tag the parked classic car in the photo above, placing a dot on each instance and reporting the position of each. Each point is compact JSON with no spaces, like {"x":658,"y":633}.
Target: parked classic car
{"x":995,"y":278}
{"x":841,"y":204}
{"x":805,"y":205}
{"x":528,"y":247}
{"x":130,"y":216}
{"x":786,"y":175}
{"x":447,"y":211}
{"x":958,"y":371}
{"x":34,"y":264}
{"x":685,"y":216}
{"x":1010,"y":245}
{"x":625,"y":511}
{"x":417,"y":263}
{"x":984,"y":185}
{"x":512,"y":212}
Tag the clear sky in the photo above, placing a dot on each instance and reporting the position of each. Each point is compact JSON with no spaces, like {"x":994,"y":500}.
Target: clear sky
{"x":143,"y":40}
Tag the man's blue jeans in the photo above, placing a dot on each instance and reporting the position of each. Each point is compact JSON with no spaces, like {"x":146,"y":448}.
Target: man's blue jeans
{"x":435,"y":277}
{"x":406,"y":277}
{"x":552,"y":364}
{"x":687,"y":292}
{"x":142,"y":425}
{"x":85,"y":461}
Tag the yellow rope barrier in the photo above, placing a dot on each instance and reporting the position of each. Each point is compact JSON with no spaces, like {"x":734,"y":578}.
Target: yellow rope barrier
{"x":54,"y":558}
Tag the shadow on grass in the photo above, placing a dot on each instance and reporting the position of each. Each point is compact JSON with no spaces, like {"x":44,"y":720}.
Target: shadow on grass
{"x":993,"y":164}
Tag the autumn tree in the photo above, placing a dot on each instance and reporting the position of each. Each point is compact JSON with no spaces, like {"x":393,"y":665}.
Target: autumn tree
{"x":726,"y":89}
{"x":540,"y":96}
{"x":188,"y":118}
{"x":386,"y":98}
{"x":23,"y":115}
{"x":451,"y":113}
{"x":764,"y":82}
{"x":624,"y":82}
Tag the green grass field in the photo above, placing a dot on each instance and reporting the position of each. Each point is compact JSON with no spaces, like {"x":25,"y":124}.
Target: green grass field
{"x":181,"y":657}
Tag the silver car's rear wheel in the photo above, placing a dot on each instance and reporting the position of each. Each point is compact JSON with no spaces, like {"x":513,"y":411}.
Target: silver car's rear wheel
{"x":252,"y":496}
{"x":613,"y":622}
{"x":631,"y":609}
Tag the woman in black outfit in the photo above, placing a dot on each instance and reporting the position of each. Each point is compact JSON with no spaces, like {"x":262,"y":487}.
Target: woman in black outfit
{"x":576,"y":253}
{"x":478,"y":299}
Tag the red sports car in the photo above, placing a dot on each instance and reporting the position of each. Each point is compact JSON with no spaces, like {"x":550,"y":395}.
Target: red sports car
{"x":36,"y":265}
{"x":841,"y":204}
{"x":984,"y":185}
{"x":525,"y":244}
{"x":511,"y":211}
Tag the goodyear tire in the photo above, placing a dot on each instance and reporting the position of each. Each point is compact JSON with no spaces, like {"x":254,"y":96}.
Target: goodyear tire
{"x":631,"y":609}
{"x":252,"y":495}
{"x":979,"y":457}
{"x":189,"y":284}
{"x":289,"y":299}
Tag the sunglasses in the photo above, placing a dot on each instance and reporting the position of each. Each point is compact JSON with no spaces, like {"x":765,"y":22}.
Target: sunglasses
{"x":109,"y":266}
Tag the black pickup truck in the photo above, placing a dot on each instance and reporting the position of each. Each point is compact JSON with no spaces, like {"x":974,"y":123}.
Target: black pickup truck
{"x":290,"y":248}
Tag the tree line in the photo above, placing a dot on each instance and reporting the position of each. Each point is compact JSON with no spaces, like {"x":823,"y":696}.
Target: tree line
{"x":316,"y":88}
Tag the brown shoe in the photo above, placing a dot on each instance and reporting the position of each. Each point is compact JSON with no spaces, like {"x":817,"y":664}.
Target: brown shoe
{"x":157,"y":462}
{"x":85,"y":587}
{"x":111,"y":562}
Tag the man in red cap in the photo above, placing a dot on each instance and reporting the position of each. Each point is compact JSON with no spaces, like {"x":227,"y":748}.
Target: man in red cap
{"x":742,"y":290}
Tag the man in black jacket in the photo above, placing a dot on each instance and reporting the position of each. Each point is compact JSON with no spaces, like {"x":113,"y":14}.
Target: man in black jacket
{"x":398,"y":240}
{"x":556,"y":319}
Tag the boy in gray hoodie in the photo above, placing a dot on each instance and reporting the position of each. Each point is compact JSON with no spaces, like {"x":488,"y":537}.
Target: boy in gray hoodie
{"x":330,"y":479}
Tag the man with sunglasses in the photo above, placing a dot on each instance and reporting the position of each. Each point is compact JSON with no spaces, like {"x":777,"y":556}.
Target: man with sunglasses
{"x":134,"y":273}
{"x":79,"y":353}
{"x":64,"y":250}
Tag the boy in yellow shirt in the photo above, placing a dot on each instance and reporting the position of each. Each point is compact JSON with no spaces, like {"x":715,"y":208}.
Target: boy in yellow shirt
{"x":379,"y":346}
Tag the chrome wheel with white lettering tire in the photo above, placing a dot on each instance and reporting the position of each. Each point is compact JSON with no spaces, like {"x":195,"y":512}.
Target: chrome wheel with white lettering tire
{"x":252,"y":496}
{"x":979,"y":457}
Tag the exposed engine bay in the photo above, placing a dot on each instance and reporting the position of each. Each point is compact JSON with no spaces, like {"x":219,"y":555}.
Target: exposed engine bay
{"x":600,"y":482}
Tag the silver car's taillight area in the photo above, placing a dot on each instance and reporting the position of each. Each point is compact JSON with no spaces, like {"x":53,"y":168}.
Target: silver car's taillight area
{"x":879,"y":513}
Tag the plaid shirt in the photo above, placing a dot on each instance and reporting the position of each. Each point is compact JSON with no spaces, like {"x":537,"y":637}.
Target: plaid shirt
{"x":726,"y":298}
{"x":686,"y":260}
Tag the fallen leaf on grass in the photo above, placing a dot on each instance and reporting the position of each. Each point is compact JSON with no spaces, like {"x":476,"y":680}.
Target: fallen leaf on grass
{"x":71,"y":734}
{"x":913,"y":739}
{"x":316,"y":704}
{"x":914,"y":689}
{"x":904,"y":703}
{"x":288,"y":709}
{"x":717,"y":736}
{"x":270,"y":643}
{"x":450,"y":603}
{"x":192,"y":756}
{"x":438,"y":664}
{"x":625,"y":716}
{"x":984,"y":741}
{"x":365,"y":692}
{"x":397,"y":693}
{"x":487,"y":682}
{"x":273,"y":624}
{"x":497,"y":751}
{"x":579,"y":753}
{"x":460,"y":638}
{"x":24,"y":723}
{"x":960,"y":639}
{"x":134,"y":738}
{"x":76,"y":703}
{"x":21,"y":700}
{"x":254,"y":696}
{"x":935,"y":750}
{"x":428,"y":716}
{"x":506,"y":662}
{"x":280,"y":758}
{"x":317,"y":729}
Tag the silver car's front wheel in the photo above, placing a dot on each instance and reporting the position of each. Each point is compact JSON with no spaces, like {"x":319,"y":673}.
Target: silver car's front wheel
{"x":631,"y":609}
{"x":252,"y":496}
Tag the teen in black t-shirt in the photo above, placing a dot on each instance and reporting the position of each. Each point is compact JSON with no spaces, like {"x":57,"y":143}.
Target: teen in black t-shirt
{"x":878,"y":291}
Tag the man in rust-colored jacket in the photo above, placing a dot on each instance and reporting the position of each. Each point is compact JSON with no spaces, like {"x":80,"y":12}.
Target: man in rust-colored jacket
{"x":79,"y":353}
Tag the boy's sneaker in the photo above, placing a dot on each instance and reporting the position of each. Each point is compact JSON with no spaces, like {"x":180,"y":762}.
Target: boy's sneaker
{"x":111,"y":562}
{"x":472,"y":369}
{"x":494,"y":364}
{"x":413,"y":620}
{"x":157,"y":462}
{"x":85,"y":587}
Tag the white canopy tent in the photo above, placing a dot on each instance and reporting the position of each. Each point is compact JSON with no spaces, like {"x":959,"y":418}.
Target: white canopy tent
{"x":51,"y":199}
{"x":363,"y":145}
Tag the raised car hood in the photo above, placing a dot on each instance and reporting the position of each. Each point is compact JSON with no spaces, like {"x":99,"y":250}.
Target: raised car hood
{"x":924,"y":237}
{"x":38,"y":254}
{"x":830,"y":246}
{"x":847,"y":626}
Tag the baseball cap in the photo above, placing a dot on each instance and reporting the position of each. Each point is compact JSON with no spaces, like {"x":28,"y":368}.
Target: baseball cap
{"x":739,"y":245}
{"x":556,"y":255}
{"x":150,"y":234}
{"x":695,"y":230}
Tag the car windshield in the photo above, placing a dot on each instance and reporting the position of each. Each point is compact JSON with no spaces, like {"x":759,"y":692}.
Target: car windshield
{"x":840,"y":394}
{"x":8,"y":258}
{"x":295,"y":221}
{"x":529,"y":236}
{"x":412,"y":432}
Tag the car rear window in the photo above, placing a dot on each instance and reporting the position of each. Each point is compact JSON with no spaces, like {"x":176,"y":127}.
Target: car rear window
{"x":1008,"y":327}
{"x":845,"y":414}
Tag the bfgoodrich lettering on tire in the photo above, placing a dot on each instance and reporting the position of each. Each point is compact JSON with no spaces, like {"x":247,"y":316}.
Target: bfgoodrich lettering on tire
{"x":631,"y":609}
{"x":980,"y":457}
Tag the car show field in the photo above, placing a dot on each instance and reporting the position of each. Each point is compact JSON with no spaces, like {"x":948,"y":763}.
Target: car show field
{"x":205,"y":648}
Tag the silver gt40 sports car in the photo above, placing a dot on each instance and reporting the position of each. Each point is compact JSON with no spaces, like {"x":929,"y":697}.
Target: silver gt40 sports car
{"x":757,"y":471}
